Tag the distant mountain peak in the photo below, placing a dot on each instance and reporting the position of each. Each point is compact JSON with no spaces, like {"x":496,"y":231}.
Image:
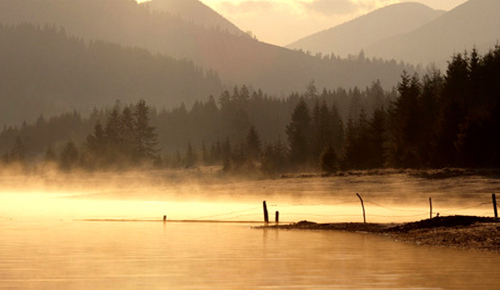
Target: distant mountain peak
{"x":474,"y":23}
{"x":353,"y":36}
{"x":196,"y":12}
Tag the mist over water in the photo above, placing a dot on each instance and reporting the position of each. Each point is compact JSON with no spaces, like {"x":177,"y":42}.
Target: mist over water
{"x":164,"y":192}
{"x":192,"y":195}
{"x":48,"y":241}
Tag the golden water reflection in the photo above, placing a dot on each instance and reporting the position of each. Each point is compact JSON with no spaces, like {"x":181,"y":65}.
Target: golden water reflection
{"x":148,"y":255}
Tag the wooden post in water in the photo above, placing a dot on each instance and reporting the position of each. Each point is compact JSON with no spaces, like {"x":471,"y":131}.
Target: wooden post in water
{"x":277,"y":217}
{"x":495,"y":209}
{"x":363,"y":206}
{"x":430,"y":202}
{"x":266,"y":214}
{"x":164,"y":218}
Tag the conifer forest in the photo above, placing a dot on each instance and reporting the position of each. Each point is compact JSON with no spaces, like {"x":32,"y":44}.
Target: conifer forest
{"x":434,"y":120}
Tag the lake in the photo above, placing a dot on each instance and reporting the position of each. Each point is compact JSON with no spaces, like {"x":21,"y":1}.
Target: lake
{"x":70,"y":254}
{"x":44,"y":244}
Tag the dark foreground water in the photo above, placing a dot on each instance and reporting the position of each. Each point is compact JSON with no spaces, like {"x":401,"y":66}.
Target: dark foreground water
{"x":153,"y":255}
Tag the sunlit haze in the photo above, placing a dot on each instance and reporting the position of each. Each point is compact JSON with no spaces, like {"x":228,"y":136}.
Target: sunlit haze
{"x":249,"y":144}
{"x":281,"y":22}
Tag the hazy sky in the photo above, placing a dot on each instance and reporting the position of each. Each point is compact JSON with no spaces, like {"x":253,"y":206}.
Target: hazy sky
{"x":284,"y":21}
{"x":281,"y":22}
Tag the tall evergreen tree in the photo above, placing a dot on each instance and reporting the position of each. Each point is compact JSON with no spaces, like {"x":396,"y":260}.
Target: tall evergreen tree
{"x":274,"y":158}
{"x":404,"y":125}
{"x":190,"y":158}
{"x":311,"y":90}
{"x":477,"y":142}
{"x":337,"y":128}
{"x":322,"y":129}
{"x":227,"y":155}
{"x":356,"y":154}
{"x":453,"y":105}
{"x":69,"y":156}
{"x":128,"y":134}
{"x":17,"y":154}
{"x":329,"y":160}
{"x":429,"y":112}
{"x":378,"y":138}
{"x":97,"y":148}
{"x":205,"y":155}
{"x":253,"y":144}
{"x":50,"y":155}
{"x":146,"y":138}
{"x":114,"y":128}
{"x":299,"y":135}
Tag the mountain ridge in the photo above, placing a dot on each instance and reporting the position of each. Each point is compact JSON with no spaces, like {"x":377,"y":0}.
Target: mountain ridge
{"x":353,"y":36}
{"x":475,"y":23}
{"x":196,"y":12}
{"x":238,"y":59}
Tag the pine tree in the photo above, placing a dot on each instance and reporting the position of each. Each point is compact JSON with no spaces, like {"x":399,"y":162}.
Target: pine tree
{"x":50,"y":155}
{"x":190,"y":158}
{"x":478,"y":141}
{"x":128,"y":134}
{"x":205,"y":155}
{"x":312,"y":90}
{"x":227,"y":155}
{"x":378,"y":138}
{"x":432,"y":86}
{"x":405,"y":129}
{"x":337,"y":128}
{"x":97,"y":148}
{"x":69,"y":156}
{"x":274,"y":158}
{"x":349,"y":148}
{"x":146,"y":138}
{"x":454,"y":103}
{"x":329,"y":161}
{"x":177,"y":159}
{"x":376,"y":98}
{"x":113,"y":129}
{"x":299,"y":135}
{"x":322,"y":129}
{"x":216,"y":154}
{"x":356,"y":149}
{"x":18,"y":153}
{"x":253,"y":144}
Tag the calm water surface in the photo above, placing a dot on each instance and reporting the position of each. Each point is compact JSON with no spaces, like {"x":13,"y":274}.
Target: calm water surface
{"x":153,"y":255}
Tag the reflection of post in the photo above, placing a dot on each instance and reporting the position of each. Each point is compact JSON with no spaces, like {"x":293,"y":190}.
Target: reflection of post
{"x":277,"y":217}
{"x":495,"y":205}
{"x":363,"y":206}
{"x":430,"y":202}
{"x":266,"y":214}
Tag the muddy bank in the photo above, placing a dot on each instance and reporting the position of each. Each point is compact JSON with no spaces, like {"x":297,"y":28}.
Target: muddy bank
{"x":464,"y":232}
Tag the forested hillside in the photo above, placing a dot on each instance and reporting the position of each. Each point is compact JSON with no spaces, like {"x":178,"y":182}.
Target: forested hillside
{"x":45,"y":71}
{"x":238,"y":59}
{"x":433,"y":121}
{"x":229,"y":115}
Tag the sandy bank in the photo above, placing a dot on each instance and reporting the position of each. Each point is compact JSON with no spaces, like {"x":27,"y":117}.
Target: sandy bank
{"x":464,"y":232}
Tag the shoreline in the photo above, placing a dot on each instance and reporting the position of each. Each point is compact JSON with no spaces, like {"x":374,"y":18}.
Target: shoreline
{"x":460,"y":232}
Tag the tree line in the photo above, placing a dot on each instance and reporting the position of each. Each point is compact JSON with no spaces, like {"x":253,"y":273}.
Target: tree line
{"x":125,"y":140}
{"x":438,"y":120}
